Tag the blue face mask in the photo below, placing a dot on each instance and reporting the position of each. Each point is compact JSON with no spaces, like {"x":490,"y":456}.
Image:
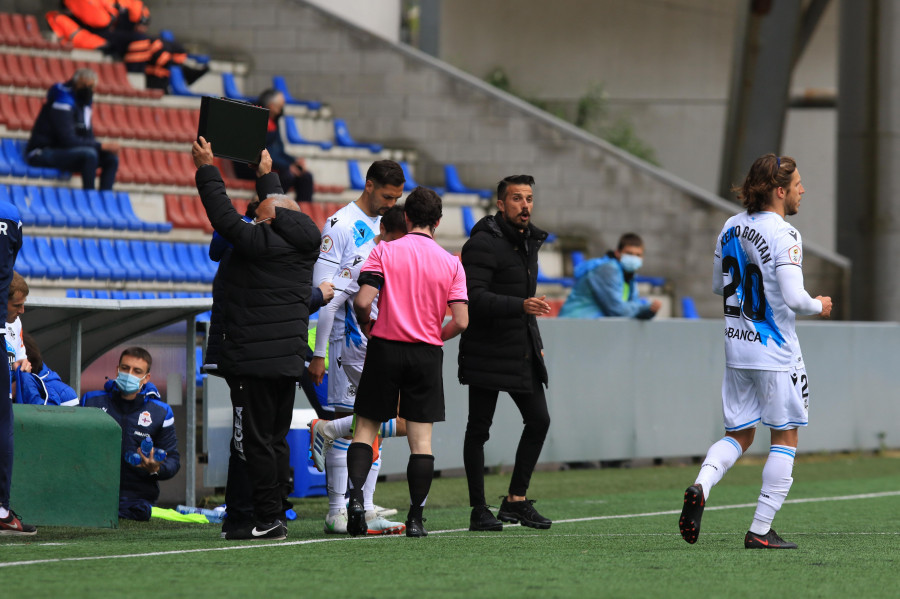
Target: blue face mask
{"x":631,"y":263}
{"x":128,"y":383}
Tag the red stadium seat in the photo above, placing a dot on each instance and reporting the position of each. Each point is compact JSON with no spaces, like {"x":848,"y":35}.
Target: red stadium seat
{"x":32,"y":31}
{"x":58,"y":69}
{"x":8,"y":36}
{"x":316,"y":212}
{"x":42,"y":72}
{"x":195,"y":213}
{"x":102,"y":121}
{"x":109,"y":80}
{"x":143,"y":167}
{"x":240,"y":206}
{"x":6,"y":77}
{"x":201,"y":213}
{"x":175,"y":214}
{"x":127,"y":159}
{"x":16,"y":74}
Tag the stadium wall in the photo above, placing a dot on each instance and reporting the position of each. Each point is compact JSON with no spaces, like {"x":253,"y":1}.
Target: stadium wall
{"x":589,"y":192}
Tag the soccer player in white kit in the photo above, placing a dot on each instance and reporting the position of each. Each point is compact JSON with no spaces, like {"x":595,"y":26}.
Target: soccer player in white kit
{"x":347,"y":238}
{"x":758,"y":271}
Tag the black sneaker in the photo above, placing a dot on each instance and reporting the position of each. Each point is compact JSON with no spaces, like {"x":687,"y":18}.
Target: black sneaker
{"x":272,"y":531}
{"x":691,"y":513}
{"x":356,"y":519}
{"x":12,"y":525}
{"x":522,"y":512}
{"x":770,"y":540}
{"x":415,"y":528}
{"x":482,"y":519}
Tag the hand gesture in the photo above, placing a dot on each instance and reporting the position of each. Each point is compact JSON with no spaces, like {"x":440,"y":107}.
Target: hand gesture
{"x":265,"y":164}
{"x":201,"y":152}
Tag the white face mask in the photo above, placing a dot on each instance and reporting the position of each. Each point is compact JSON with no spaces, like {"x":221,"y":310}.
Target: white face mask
{"x":631,"y":263}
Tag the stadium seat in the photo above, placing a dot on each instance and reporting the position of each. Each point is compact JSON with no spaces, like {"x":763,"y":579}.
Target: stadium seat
{"x":51,"y":204}
{"x":75,"y":201}
{"x":9,"y":116}
{"x":148,"y":295}
{"x":155,"y":256}
{"x":30,"y":218}
{"x":86,"y":268}
{"x":180,"y":273}
{"x":688,"y":308}
{"x":407,"y":174}
{"x":35,"y":199}
{"x":293,"y":135}
{"x":86,"y":294}
{"x":469,"y":220}
{"x":280,"y":84}
{"x":111,"y":258}
{"x":186,"y":261}
{"x":357,"y":181}
{"x":455,"y":185}
{"x":117,"y":294}
{"x":196,"y":218}
{"x":175,"y":214}
{"x":72,"y":293}
{"x":155,"y":269}
{"x":94,"y":256}
{"x":57,"y":246}
{"x":28,"y":263}
{"x":136,"y":269}
{"x":343,"y":138}
{"x":102,"y":294}
{"x":230,"y":88}
{"x":45,"y":254}
{"x":95,"y":203}
{"x":127,"y":211}
{"x":114,"y":211}
{"x":200,"y":254}
{"x":15,"y":75}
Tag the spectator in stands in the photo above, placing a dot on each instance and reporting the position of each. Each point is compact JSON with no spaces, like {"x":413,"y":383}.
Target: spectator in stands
{"x":10,"y":244}
{"x":41,"y":385}
{"x":265,"y":285}
{"x":136,"y":405}
{"x":291,"y":171}
{"x":605,"y":286}
{"x":118,"y":28}
{"x":63,"y":137}
{"x":502,"y":349}
{"x":15,"y":307}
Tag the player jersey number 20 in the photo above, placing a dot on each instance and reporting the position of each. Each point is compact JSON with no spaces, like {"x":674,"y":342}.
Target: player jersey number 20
{"x":744,"y":294}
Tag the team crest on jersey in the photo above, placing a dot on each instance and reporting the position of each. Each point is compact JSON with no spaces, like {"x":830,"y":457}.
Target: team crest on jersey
{"x":795,"y":254}
{"x":351,"y":391}
{"x":327,"y":244}
{"x":345,"y":274}
{"x":145,"y":419}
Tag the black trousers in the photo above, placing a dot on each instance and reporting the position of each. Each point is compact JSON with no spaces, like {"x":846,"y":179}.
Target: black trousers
{"x":259,"y":465}
{"x":482,"y":405}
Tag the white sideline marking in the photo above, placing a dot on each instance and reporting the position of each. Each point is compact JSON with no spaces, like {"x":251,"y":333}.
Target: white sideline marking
{"x":436,"y":532}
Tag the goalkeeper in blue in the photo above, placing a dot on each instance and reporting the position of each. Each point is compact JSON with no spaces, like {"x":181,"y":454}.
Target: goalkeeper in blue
{"x":758,"y":271}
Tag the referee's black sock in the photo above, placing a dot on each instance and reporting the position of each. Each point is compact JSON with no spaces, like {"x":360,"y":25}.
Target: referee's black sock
{"x":419,"y":473}
{"x":359,"y":462}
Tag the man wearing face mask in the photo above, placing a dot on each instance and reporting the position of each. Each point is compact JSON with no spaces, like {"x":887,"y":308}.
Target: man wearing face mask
{"x":605,"y":286}
{"x":63,"y":136}
{"x":502,"y":350}
{"x":135,"y":404}
{"x":291,"y":170}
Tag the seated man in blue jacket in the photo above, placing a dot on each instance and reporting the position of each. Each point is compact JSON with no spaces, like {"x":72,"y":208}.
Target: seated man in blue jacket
{"x":41,"y":385}
{"x":605,"y":286}
{"x":63,"y":136}
{"x":134,"y":402}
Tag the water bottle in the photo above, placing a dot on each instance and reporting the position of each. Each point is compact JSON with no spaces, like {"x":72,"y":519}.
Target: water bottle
{"x":215,"y":516}
{"x":147,"y":446}
{"x":133,"y":458}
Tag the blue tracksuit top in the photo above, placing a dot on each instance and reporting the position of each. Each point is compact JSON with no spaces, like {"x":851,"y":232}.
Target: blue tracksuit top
{"x":145,"y":415}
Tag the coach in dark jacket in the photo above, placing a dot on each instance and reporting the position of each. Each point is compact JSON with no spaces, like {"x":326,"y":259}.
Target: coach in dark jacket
{"x":501,"y":350}
{"x":265,"y":290}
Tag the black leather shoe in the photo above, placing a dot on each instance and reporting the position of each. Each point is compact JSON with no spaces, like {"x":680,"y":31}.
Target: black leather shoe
{"x":415,"y":528}
{"x":482,"y":519}
{"x":522,"y":512}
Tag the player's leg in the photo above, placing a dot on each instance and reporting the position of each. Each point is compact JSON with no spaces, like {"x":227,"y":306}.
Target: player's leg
{"x":482,"y":405}
{"x":785,"y":409}
{"x":419,"y":474}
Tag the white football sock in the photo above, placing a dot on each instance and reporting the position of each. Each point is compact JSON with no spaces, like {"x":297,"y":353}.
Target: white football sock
{"x":776,"y":482}
{"x":371,"y":480}
{"x":339,"y":427}
{"x":337,"y":477}
{"x":4,"y":513}
{"x":721,"y":456}
{"x":389,"y":429}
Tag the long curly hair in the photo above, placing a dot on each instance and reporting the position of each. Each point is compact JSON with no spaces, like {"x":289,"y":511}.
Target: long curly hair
{"x":767,"y":173}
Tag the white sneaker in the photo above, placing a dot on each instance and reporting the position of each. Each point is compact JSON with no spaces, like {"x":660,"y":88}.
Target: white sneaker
{"x":378,"y":525}
{"x":385,"y":512}
{"x":336,"y":524}
{"x":319,"y":443}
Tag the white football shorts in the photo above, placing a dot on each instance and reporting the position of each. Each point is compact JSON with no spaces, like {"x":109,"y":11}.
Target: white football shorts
{"x":778,"y":399}
{"x":343,"y":378}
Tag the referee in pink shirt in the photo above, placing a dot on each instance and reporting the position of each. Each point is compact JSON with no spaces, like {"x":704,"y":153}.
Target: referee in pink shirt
{"x":415,"y":280}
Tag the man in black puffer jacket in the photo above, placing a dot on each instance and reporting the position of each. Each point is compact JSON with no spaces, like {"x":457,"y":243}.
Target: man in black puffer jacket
{"x":266,"y":286}
{"x":501,"y":350}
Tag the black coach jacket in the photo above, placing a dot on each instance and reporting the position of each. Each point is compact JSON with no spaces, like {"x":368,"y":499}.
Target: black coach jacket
{"x":501,"y":343}
{"x":263,"y":288}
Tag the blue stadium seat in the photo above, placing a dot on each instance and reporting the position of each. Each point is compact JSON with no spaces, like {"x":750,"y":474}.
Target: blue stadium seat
{"x":133,"y":295}
{"x":77,"y":198}
{"x":182,"y":295}
{"x":577,"y":259}
{"x":178,"y":84}
{"x":139,"y":252}
{"x":110,"y":203}
{"x":117,"y":294}
{"x":64,"y":259}
{"x":357,"y":180}
{"x":407,"y":174}
{"x":200,"y":255}
{"x":14,"y":150}
{"x":111,"y":258}
{"x":180,"y":273}
{"x":16,"y":163}
{"x":343,"y":138}
{"x":170,"y":269}
{"x":294,"y":136}
{"x":86,"y":293}
{"x":73,"y":293}
{"x":229,"y":86}
{"x":17,"y":198}
{"x":469,"y":220}
{"x":128,"y":212}
{"x":688,"y":309}
{"x":280,"y":84}
{"x":95,"y":204}
{"x":102,"y":294}
{"x":165,"y":295}
{"x":67,"y":206}
{"x":51,"y":203}
{"x":31,"y":201}
{"x":45,"y":255}
{"x":455,"y":185}
{"x":138,"y":270}
{"x":186,"y":260}
{"x":148,"y":295}
{"x":35,"y":197}
{"x":87,"y":269}
{"x":28,"y":263}
{"x":5,"y":166}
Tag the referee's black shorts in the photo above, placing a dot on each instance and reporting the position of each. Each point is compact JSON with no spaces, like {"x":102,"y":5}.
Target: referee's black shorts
{"x":412,"y":372}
